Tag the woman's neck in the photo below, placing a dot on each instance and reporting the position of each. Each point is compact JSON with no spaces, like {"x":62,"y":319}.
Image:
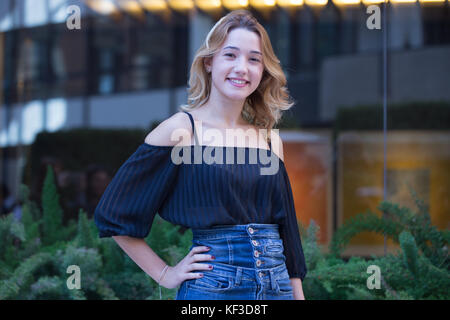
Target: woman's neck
{"x":222,"y":117}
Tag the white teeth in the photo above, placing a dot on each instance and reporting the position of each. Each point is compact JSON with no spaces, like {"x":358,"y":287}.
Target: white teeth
{"x":238,"y":81}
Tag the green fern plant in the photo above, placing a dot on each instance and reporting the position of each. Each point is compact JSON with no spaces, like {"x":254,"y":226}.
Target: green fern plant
{"x":311,"y":250}
{"x":85,"y":237}
{"x":410,"y":252}
{"x":418,"y":271}
{"x":89,"y":261}
{"x":12,"y":234}
{"x":30,"y":214}
{"x":113,"y":257}
{"x":367,"y":221}
{"x":431,"y":241}
{"x":52,"y":212}
{"x":22,"y":277}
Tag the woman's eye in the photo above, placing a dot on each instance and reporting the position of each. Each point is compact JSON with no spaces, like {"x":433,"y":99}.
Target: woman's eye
{"x":232,"y":55}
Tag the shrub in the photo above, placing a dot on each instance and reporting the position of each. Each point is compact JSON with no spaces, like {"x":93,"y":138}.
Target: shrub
{"x":420,"y":270}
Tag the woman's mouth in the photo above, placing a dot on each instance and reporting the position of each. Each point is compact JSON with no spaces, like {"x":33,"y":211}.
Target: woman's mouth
{"x":238,"y":83}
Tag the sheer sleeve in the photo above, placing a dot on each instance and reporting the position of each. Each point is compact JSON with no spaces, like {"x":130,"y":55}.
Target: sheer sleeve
{"x":295,"y":259}
{"x":136,"y":192}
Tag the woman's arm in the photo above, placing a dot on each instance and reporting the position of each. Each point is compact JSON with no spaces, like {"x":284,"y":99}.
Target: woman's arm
{"x":140,"y":252}
{"x":297,"y":288}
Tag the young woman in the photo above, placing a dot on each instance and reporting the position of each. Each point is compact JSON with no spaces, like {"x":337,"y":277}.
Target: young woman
{"x":246,"y":243}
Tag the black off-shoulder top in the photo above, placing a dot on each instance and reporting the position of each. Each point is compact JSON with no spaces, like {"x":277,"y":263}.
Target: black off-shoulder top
{"x":201,"y":195}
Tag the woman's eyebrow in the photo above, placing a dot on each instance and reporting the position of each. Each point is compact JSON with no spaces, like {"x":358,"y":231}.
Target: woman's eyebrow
{"x":236,"y":48}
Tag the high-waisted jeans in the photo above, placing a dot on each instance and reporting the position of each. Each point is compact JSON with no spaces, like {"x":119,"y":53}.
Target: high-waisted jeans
{"x":249,"y":265}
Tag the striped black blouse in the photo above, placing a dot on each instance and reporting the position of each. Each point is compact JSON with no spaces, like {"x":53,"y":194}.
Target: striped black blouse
{"x":200,"y":195}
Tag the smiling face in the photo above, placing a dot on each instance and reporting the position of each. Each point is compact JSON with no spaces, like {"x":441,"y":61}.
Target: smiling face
{"x":239,"y":58}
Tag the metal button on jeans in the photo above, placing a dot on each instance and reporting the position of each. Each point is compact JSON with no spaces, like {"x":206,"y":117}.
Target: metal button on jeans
{"x":255,"y":243}
{"x":261,"y":274}
{"x":258,"y":262}
{"x":251,"y":230}
{"x":256,"y":253}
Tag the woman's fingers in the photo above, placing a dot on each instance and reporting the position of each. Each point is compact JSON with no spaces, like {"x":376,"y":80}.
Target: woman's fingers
{"x":189,"y":264}
{"x":198,"y":249}
{"x":202,"y":257}
{"x":183,"y":270}
{"x":193,"y":275}
{"x":199,"y":266}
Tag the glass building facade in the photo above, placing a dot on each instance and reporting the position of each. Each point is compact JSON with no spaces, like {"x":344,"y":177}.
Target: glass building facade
{"x":133,"y":57}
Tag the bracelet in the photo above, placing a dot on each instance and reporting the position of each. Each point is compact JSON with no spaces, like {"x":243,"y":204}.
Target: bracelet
{"x":163,"y":272}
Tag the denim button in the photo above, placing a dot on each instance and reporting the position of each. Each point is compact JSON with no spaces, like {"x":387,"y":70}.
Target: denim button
{"x":258,"y":262}
{"x":261,"y":274}
{"x":251,"y":230}
{"x":256,"y":253}
{"x":255,"y":243}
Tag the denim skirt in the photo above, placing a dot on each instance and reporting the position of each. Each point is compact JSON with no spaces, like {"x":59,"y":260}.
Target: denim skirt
{"x":249,"y":265}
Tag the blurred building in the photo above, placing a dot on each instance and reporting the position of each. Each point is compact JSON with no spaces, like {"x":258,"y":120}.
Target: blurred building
{"x":140,"y":52}
{"x":132,"y":58}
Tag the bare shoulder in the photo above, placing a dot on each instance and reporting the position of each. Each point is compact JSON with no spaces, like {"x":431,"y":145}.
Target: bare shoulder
{"x":277,"y":145}
{"x":177,"y":125}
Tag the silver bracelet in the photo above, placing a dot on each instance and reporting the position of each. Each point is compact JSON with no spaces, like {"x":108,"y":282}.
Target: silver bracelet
{"x":163,"y":272}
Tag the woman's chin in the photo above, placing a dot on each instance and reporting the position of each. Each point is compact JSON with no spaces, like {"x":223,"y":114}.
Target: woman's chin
{"x":237,"y":99}
{"x":237,"y":96}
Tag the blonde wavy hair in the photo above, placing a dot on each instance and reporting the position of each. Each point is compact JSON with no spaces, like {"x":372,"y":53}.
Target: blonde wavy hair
{"x":263,"y":108}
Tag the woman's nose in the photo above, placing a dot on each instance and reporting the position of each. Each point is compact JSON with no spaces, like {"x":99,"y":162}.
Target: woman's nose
{"x":241,"y":65}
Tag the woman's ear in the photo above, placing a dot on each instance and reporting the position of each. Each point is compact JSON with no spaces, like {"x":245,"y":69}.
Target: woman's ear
{"x":207,"y":64}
